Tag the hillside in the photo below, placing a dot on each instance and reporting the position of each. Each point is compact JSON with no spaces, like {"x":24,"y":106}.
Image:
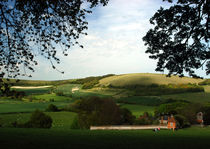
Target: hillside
{"x":145,"y":79}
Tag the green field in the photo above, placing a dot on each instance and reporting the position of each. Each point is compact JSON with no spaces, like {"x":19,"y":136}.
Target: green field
{"x":61,"y":136}
{"x":48,"y":97}
{"x":138,"y":110}
{"x":35,"y":91}
{"x":192,"y":138}
{"x":60,"y":119}
{"x":10,"y":106}
{"x":192,"y":97}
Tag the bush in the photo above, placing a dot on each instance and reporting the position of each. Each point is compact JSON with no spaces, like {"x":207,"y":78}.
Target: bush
{"x":75,"y":124}
{"x":89,"y":85}
{"x":52,"y":108}
{"x":206,"y":116}
{"x":126,"y":116}
{"x":59,"y":94}
{"x":182,"y":121}
{"x":144,"y":119}
{"x":38,"y":119}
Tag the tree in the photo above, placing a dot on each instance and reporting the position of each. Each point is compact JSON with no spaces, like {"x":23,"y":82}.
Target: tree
{"x":180,"y":38}
{"x":36,"y":27}
{"x":94,"y":111}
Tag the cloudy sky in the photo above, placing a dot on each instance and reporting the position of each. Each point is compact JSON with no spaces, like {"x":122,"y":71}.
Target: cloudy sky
{"x":114,"y":43}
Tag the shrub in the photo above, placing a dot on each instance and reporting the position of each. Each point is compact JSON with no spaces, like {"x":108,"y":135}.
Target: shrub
{"x":59,"y":94}
{"x":75,"y":124}
{"x":126,"y":116}
{"x":52,"y":108}
{"x":144,"y":119}
{"x":182,"y":121}
{"x":52,"y":100}
{"x":39,"y":119}
{"x":89,"y":85}
{"x":206,"y":116}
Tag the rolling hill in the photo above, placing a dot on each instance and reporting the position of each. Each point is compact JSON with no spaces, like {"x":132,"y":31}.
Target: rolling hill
{"x":145,"y":79}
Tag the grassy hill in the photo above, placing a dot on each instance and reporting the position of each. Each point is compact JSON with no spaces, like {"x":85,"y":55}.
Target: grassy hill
{"x":145,"y":79}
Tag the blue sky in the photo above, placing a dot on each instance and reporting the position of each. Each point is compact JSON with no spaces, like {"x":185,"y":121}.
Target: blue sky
{"x":113,"y":45}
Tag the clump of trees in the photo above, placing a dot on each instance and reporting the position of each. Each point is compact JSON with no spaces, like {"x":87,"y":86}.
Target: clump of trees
{"x":146,"y":119}
{"x":52,"y":108}
{"x":156,"y":89}
{"x":90,"y":82}
{"x":95,"y":111}
{"x":38,"y":119}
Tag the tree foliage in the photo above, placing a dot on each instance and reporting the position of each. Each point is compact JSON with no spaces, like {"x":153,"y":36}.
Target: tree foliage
{"x":180,"y":38}
{"x":95,"y":111}
{"x":36,"y":27}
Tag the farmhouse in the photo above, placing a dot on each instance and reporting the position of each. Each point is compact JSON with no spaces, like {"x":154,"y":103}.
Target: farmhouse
{"x":169,"y":121}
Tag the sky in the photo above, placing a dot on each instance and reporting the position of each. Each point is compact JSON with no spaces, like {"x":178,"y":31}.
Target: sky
{"x":113,"y":45}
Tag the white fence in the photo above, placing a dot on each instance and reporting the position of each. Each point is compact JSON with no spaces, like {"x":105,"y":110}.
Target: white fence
{"x":127,"y":127}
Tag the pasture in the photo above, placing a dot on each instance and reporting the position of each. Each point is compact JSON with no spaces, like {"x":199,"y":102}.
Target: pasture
{"x":21,"y":138}
{"x":60,"y":119}
{"x":10,"y":106}
{"x":145,"y":79}
{"x":138,"y":110}
{"x":61,"y":136}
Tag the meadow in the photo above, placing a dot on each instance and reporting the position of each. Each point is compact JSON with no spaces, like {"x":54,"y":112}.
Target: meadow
{"x":60,"y":135}
{"x":191,"y":138}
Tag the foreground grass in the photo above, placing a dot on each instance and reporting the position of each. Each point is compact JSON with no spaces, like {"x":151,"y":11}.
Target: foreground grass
{"x":191,"y":138}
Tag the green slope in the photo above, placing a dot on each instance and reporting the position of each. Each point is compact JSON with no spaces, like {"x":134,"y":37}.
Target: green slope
{"x":145,"y":79}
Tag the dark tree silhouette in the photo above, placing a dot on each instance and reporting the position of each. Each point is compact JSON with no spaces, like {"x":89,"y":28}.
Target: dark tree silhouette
{"x":35,"y":27}
{"x":180,"y":38}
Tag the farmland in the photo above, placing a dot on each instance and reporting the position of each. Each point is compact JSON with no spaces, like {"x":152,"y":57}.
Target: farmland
{"x":59,"y":93}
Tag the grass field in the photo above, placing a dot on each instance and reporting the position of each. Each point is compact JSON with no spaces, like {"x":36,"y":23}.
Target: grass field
{"x":48,"y":97}
{"x":145,"y":79}
{"x":192,"y":97}
{"x":138,"y":110}
{"x":35,"y":91}
{"x":192,"y":138}
{"x":142,"y":100}
{"x":60,"y":119}
{"x":9,"y":106}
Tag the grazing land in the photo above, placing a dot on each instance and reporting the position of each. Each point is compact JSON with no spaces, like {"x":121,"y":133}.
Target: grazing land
{"x":192,"y":138}
{"x":40,"y":94}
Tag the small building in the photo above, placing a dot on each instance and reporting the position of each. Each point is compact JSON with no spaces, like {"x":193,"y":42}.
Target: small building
{"x":171,"y":122}
{"x":199,"y":118}
{"x":168,"y":121}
